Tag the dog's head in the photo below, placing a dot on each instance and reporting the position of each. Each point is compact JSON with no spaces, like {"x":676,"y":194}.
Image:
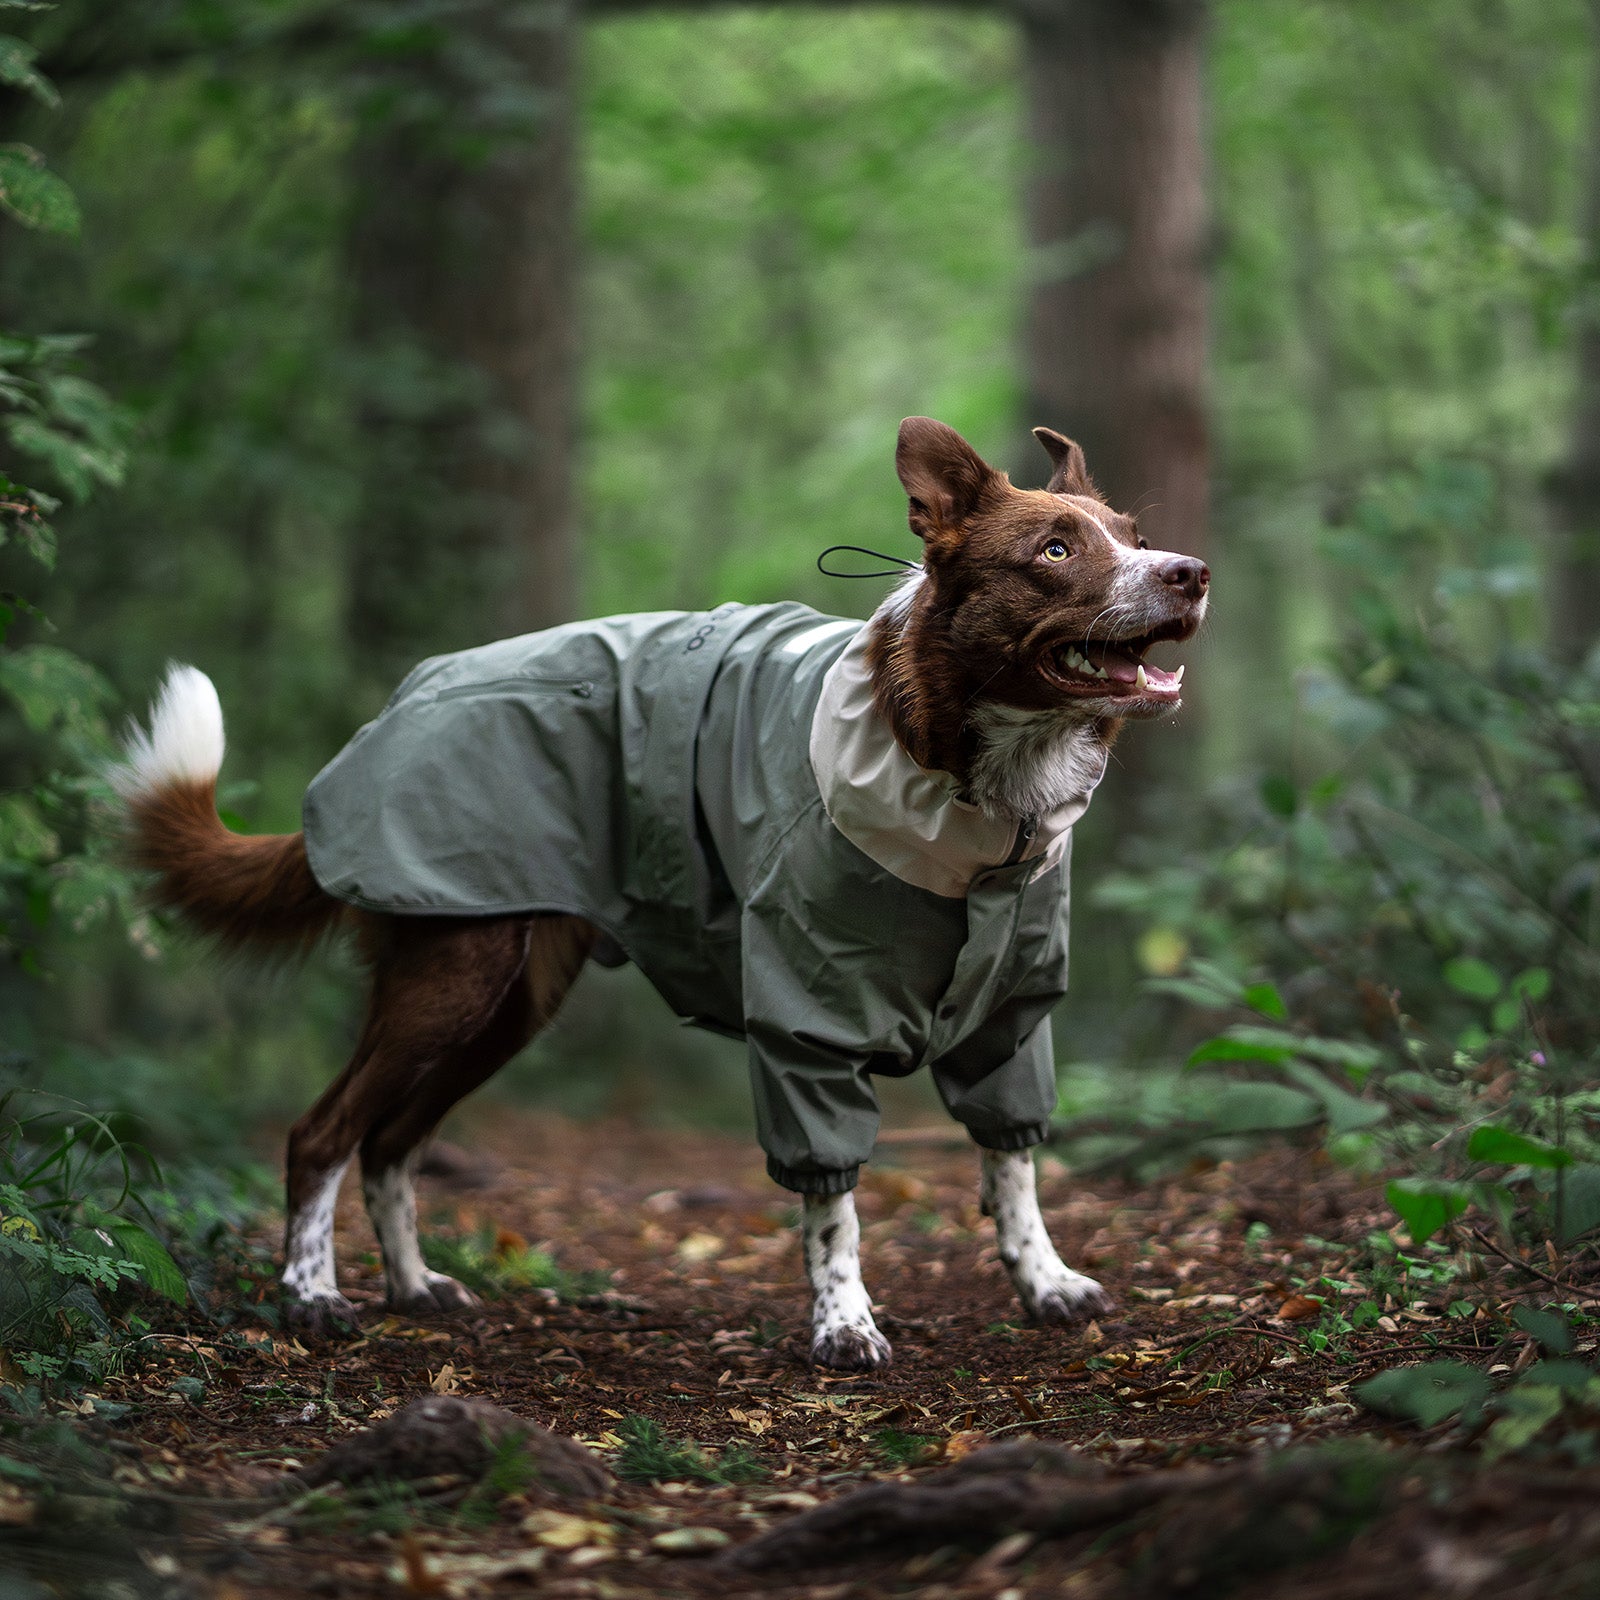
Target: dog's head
{"x":1034,"y":600}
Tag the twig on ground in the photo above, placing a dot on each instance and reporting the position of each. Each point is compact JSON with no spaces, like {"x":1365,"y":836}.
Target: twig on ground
{"x":1516,"y":1261}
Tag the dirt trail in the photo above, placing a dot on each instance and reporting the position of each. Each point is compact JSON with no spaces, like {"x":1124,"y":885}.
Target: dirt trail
{"x":704,"y":1335}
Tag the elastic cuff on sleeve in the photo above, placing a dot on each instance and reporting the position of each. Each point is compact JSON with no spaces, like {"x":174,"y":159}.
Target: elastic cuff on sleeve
{"x":837,"y":1180}
{"x":1011,"y":1138}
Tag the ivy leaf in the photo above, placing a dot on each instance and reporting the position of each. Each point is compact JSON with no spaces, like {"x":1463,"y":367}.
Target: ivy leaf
{"x":1510,"y":1149}
{"x":1426,"y":1205}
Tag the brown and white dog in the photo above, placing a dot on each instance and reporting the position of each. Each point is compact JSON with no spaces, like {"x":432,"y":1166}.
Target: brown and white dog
{"x":1009,"y":662}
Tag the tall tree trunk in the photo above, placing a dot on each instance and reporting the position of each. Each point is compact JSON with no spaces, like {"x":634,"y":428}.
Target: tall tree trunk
{"x":1116,"y":318}
{"x":463,"y":259}
{"x":1575,"y":567}
{"x":1115,"y":330}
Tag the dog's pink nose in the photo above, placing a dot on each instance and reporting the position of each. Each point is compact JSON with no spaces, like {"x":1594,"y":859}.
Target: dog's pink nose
{"x":1186,"y":574}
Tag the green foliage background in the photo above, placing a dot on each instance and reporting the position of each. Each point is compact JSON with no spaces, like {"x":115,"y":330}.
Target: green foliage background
{"x":798,"y":227}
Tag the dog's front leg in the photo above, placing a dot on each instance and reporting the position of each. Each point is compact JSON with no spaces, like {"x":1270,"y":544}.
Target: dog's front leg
{"x":843,"y":1334}
{"x":1049,"y":1289}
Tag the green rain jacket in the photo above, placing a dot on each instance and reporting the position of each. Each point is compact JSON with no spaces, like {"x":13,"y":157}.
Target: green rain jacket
{"x":716,"y":792}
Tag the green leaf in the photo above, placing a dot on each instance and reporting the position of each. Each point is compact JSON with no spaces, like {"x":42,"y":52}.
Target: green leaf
{"x":1346,"y":1113}
{"x":1426,"y":1205}
{"x":1279,"y":795}
{"x":17,"y":68}
{"x":1262,"y":1108}
{"x":1469,"y":976}
{"x":25,"y":835}
{"x":1526,"y":1410}
{"x":1580,"y":1201}
{"x":1428,"y":1394}
{"x":36,"y":536}
{"x":148,"y":1253}
{"x":1509,"y":1149}
{"x":1548,"y":1327}
{"x":1245,"y":1042}
{"x":33,"y":194}
{"x":1534,"y":984}
{"x":1264,"y":997}
{"x":80,"y":464}
{"x":86,"y":891}
{"x":1197,"y":994}
{"x":1225,"y":1048}
{"x":52,"y":688}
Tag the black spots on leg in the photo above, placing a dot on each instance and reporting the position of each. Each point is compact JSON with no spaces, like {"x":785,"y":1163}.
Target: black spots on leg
{"x":828,"y":1235}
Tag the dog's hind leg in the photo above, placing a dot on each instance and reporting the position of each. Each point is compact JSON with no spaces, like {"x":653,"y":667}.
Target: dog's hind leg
{"x":1049,"y":1289}
{"x":554,"y":949}
{"x":843,"y":1334}
{"x":436,"y":985}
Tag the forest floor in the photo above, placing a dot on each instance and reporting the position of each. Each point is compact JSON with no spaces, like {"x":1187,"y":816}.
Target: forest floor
{"x":1218,"y":1353}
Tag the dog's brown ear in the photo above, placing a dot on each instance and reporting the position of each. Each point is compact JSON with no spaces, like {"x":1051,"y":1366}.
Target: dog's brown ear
{"x":944,"y":476}
{"x":1072,"y":471}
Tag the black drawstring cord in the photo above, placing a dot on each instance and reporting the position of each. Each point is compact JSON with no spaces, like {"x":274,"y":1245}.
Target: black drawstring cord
{"x":900,"y":564}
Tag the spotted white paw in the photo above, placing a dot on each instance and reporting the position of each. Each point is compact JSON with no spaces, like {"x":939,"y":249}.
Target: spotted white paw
{"x":319,"y":1314}
{"x":850,"y":1348}
{"x":1064,"y":1298}
{"x":436,"y":1293}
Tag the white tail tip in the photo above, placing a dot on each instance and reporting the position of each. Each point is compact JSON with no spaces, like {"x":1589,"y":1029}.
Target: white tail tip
{"x":184,"y":743}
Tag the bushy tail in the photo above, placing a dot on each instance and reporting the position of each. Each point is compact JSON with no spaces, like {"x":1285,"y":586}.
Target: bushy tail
{"x":239,"y":888}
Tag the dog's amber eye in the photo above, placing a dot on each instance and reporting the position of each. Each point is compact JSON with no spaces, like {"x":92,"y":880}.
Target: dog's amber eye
{"x":1055,"y":551}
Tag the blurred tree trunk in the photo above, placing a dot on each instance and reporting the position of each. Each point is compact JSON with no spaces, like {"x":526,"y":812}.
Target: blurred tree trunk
{"x":464,"y":281}
{"x":1115,"y":333}
{"x":1575,"y":567}
{"x":1116,"y":320}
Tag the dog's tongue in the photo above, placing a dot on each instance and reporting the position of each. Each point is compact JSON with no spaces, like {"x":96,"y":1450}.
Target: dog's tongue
{"x":1118,"y":667}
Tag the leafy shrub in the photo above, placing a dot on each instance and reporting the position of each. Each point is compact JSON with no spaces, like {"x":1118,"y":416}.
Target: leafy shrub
{"x":67,"y":1243}
{"x":1422,"y":885}
{"x":1550,"y":1411}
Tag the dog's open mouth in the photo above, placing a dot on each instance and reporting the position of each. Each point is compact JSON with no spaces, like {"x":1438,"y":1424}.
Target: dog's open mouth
{"x":1113,"y":669}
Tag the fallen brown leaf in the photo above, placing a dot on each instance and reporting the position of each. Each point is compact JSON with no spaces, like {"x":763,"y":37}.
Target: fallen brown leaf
{"x":1300,"y":1306}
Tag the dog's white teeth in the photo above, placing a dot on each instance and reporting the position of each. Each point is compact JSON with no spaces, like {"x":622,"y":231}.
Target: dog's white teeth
{"x":1100,"y":672}
{"x":1139,"y":679}
{"x":1178,"y":676}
